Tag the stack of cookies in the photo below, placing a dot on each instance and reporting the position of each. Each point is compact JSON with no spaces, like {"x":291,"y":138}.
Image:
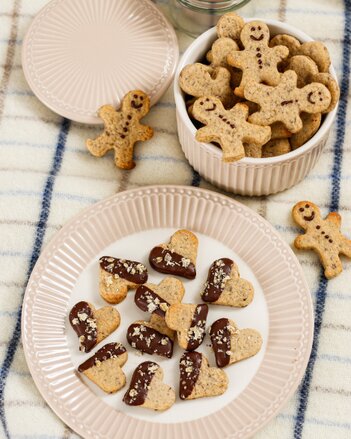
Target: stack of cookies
{"x":258,"y":96}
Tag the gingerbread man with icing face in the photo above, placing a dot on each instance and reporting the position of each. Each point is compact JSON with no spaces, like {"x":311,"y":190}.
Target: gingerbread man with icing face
{"x":257,"y":61}
{"x":322,"y":235}
{"x":123,"y":129}
{"x":229,"y":128}
{"x":286,"y":101}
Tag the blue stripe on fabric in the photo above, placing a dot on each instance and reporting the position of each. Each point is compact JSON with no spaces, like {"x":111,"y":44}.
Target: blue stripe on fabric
{"x":334,"y":205}
{"x":196,"y":179}
{"x":36,"y":249}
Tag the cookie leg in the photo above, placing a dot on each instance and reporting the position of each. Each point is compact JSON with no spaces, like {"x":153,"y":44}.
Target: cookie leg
{"x":332,"y":264}
{"x":232,"y":151}
{"x":99,"y":146}
{"x":124,"y":157}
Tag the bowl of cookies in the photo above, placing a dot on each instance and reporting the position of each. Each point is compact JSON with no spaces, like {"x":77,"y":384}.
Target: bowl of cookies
{"x":255,"y":102}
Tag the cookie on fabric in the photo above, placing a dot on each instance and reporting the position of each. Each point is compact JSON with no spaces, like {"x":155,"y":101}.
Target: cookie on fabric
{"x":276,"y":147}
{"x":148,"y":390}
{"x":117,"y":276}
{"x":144,"y":337}
{"x":122,"y":129}
{"x":93,"y":325}
{"x":310,"y":125}
{"x":178,"y":256}
{"x":224,"y":286}
{"x":198,"y":379}
{"x":321,"y":235}
{"x":258,"y":61}
{"x":104,"y":368}
{"x":231,"y":344}
{"x":229,"y":128}
{"x":230,"y":25}
{"x":189,"y":320}
{"x":198,"y":80}
{"x":285,"y":102}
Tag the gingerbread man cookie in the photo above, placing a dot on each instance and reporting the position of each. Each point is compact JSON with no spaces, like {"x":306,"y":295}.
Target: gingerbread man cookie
{"x":122,"y":129}
{"x":227,"y":127}
{"x":199,"y":80}
{"x":285,"y":102}
{"x":322,"y":235}
{"x":257,"y":61}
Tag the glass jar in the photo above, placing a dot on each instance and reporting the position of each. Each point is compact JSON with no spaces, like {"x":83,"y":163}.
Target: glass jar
{"x":196,"y":16}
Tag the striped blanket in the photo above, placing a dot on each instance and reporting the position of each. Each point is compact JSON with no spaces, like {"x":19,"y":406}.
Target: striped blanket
{"x":47,"y":176}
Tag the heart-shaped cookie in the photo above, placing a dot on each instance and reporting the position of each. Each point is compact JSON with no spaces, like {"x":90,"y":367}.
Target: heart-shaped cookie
{"x":104,"y":368}
{"x":144,"y":337}
{"x":189,"y":321}
{"x":117,"y":276}
{"x":224,"y":286}
{"x":231,"y":344}
{"x":93,"y":325}
{"x":148,"y":390}
{"x":178,"y":257}
{"x":198,"y":379}
{"x":156,"y":299}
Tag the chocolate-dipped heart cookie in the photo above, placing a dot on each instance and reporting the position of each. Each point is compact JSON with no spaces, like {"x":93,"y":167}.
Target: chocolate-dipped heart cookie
{"x":104,"y":368}
{"x":178,"y":257}
{"x":117,"y":276}
{"x":148,"y":390}
{"x":224,"y":286}
{"x":144,"y":337}
{"x":190,"y":323}
{"x":93,"y":325}
{"x":198,"y":379}
{"x":156,"y":299}
{"x":231,"y":344}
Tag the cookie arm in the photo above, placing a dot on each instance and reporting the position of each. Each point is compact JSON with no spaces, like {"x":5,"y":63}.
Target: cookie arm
{"x":145,"y":132}
{"x":237,"y":59}
{"x":346,"y":247}
{"x":205,"y":134}
{"x":335,"y":218}
{"x":280,"y":52}
{"x":305,"y":242}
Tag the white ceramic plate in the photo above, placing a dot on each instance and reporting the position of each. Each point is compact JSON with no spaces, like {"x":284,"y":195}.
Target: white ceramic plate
{"x":128,"y":225}
{"x":81,"y":54}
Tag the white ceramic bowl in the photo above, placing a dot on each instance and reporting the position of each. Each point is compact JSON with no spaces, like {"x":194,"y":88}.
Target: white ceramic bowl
{"x":248,"y":176}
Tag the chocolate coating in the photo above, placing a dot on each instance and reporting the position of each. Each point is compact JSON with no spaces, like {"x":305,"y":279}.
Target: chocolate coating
{"x":129,"y":270}
{"x":148,"y":301}
{"x":140,"y":382}
{"x":189,"y":367}
{"x":197,"y":330}
{"x":165,"y":261}
{"x":220,"y":339}
{"x":110,"y":350}
{"x":218,"y":274}
{"x":83,"y":322}
{"x":149,"y":340}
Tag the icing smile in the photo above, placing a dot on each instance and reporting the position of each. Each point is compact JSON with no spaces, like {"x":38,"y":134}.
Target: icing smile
{"x":309,"y":98}
{"x":135,"y":105}
{"x":309,"y":218}
{"x":260,"y":38}
{"x":214,"y":106}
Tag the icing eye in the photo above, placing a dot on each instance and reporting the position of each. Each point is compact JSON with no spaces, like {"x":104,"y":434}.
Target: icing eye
{"x":259,"y":28}
{"x":253,"y":29}
{"x":135,"y":96}
{"x":201,"y":102}
{"x":141,"y":98}
{"x":207,"y":100}
{"x":301,"y":209}
{"x":307,"y":206}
